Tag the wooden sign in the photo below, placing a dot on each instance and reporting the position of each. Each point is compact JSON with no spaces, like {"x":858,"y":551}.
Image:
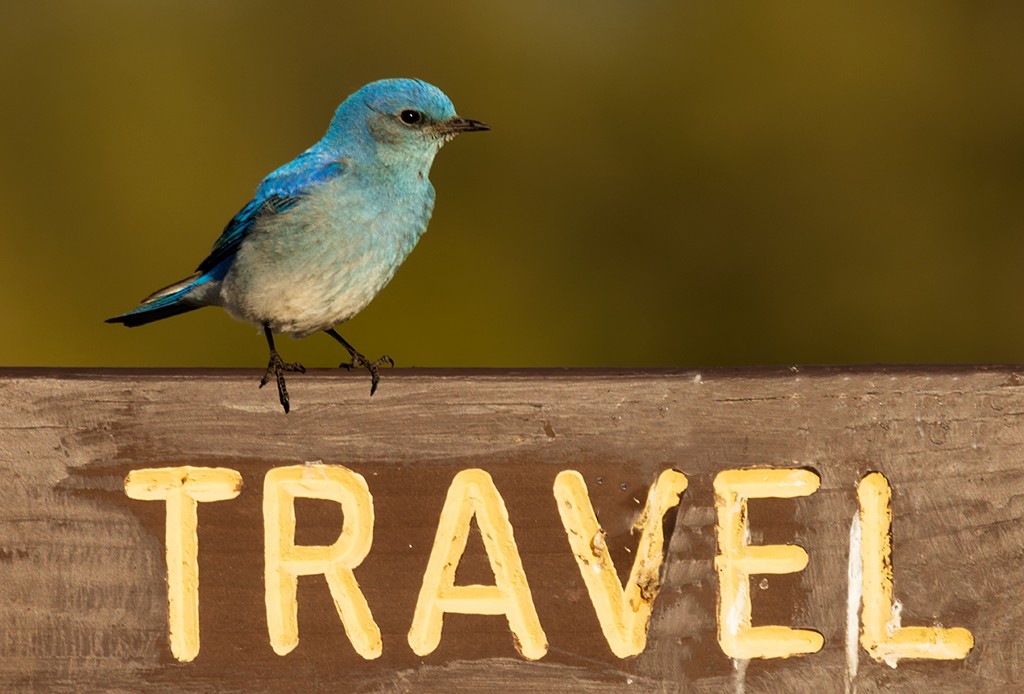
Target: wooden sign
{"x":726,"y":530}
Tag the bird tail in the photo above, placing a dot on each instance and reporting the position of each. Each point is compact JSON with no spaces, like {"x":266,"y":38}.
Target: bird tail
{"x":163,"y":303}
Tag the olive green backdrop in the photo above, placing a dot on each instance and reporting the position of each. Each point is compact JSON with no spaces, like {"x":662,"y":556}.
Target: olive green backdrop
{"x":666,"y":183}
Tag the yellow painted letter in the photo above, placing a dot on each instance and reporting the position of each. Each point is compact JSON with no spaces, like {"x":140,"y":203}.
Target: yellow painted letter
{"x":881,"y":633}
{"x":737,"y":560}
{"x":624,"y":614}
{"x":472,"y":493}
{"x":286,"y":561}
{"x":182,"y":488}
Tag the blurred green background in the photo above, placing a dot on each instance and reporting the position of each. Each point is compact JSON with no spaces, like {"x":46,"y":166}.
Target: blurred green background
{"x":666,"y":183}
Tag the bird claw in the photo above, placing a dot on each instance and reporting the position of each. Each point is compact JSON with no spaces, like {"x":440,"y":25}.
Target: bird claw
{"x":276,"y":368}
{"x":359,"y":361}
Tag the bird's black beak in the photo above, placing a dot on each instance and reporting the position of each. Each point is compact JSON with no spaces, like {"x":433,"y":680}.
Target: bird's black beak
{"x":457,"y":125}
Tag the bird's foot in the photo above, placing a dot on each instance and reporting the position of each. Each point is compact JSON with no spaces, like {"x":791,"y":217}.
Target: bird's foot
{"x":359,"y":361}
{"x":275,"y":369}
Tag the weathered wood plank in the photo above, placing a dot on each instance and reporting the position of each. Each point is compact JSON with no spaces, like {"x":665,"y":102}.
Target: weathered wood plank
{"x":83,"y":594}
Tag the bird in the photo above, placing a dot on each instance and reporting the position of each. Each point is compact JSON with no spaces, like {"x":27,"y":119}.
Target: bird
{"x":327,"y":231}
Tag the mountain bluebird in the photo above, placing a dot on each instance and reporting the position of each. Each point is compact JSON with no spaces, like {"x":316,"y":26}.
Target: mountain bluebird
{"x":328,"y":230}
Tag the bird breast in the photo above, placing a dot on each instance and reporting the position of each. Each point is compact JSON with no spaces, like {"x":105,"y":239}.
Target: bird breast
{"x":321,"y":262}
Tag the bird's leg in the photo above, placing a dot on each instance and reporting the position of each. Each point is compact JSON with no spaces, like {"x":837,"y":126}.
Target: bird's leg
{"x":276,"y":368}
{"x":358,"y":360}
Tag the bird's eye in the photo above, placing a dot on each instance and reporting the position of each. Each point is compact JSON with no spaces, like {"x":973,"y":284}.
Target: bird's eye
{"x":410,"y":117}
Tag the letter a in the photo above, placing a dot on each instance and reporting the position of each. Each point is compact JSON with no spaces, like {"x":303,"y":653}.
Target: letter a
{"x":472,"y":493}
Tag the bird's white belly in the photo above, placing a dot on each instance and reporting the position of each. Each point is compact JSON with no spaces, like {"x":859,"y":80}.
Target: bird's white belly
{"x":320,"y":263}
{"x":314,"y":299}
{"x":301,"y":296}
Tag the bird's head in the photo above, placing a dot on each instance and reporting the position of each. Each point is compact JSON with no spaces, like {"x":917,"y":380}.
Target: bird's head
{"x":399,"y":119}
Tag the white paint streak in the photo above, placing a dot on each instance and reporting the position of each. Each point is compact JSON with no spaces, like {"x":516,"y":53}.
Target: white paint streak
{"x":891,"y":627}
{"x":854,"y":578}
{"x":740,"y":679}
{"x":249,"y":407}
{"x":740,"y":605}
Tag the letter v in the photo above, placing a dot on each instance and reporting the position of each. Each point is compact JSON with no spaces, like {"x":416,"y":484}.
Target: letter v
{"x":624,"y":613}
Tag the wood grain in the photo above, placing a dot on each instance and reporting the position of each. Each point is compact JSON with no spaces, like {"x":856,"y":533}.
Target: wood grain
{"x":82,"y":575}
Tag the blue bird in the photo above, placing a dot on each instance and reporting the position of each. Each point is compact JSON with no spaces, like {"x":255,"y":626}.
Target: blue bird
{"x":326,"y":231}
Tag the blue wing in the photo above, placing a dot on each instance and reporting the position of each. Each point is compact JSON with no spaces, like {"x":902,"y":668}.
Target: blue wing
{"x":216,"y":265}
{"x":280,"y":191}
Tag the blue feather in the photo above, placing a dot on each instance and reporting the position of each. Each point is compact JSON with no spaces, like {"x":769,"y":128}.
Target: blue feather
{"x":277,"y":193}
{"x":160,"y":307}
